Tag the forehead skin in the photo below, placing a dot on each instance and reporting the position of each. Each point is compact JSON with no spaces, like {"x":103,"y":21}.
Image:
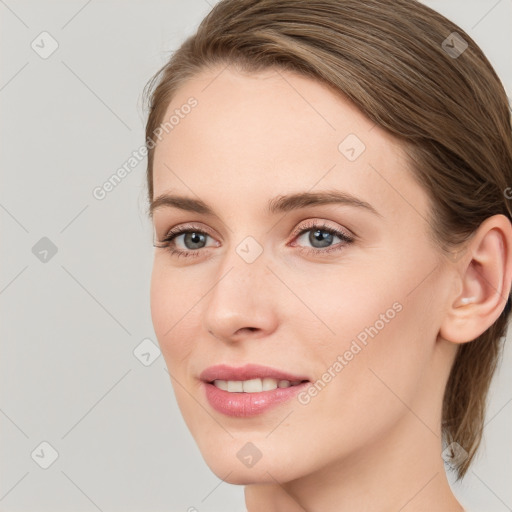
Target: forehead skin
{"x":256,"y":135}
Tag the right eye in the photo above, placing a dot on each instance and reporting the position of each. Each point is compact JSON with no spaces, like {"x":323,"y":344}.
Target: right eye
{"x":192,"y":236}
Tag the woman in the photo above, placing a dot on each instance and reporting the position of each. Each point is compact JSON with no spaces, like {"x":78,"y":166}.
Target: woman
{"x":327,"y":182}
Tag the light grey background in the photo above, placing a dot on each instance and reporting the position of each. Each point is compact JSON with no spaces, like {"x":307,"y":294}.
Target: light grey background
{"x":69,"y":326}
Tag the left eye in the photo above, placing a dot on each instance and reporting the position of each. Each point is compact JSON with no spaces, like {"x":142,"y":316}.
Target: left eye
{"x":322,"y":236}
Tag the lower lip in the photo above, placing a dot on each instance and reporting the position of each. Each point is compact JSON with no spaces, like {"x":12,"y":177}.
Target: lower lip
{"x":244,"y":405}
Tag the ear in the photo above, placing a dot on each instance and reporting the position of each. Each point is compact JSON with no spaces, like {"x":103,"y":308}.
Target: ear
{"x":486,"y":277}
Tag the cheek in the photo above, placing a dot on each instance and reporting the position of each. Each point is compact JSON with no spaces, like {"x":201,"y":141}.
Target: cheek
{"x":160,"y":301}
{"x":381,"y":326}
{"x":345,"y":305}
{"x":379,"y":358}
{"x":386,"y":339}
{"x":171,"y":300}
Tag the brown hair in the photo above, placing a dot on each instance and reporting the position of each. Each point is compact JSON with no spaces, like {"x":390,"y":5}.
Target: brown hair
{"x":399,"y":62}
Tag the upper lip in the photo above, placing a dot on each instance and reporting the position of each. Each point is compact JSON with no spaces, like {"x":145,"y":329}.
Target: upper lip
{"x":247,"y":372}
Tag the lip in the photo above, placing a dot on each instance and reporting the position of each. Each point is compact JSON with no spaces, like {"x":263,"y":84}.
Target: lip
{"x":244,"y":405}
{"x":247,"y":372}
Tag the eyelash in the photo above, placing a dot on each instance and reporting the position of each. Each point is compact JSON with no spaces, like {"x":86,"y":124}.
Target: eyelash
{"x":168,"y":242}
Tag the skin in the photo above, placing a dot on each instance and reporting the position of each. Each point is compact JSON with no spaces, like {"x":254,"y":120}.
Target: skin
{"x":371,"y":438}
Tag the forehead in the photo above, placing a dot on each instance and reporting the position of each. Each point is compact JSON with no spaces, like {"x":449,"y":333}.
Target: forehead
{"x":252,"y":135}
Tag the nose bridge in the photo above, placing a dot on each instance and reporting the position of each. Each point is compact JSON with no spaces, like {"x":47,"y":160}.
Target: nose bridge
{"x":241,"y":295}
{"x":243,"y":267}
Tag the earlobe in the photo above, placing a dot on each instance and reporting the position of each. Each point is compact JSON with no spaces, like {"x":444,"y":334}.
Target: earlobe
{"x":486,"y":274}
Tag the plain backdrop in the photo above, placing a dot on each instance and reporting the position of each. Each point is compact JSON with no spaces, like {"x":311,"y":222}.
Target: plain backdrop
{"x":79,"y":394}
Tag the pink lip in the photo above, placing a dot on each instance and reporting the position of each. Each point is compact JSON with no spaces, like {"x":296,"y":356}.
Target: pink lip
{"x":247,"y":372}
{"x":247,"y":404}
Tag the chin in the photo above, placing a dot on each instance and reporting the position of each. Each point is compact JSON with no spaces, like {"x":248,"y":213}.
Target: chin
{"x":241,"y":461}
{"x":236,"y":473}
{"x":246,"y":476}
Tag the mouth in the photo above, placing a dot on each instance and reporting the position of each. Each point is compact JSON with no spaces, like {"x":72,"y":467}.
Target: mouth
{"x":249,"y":390}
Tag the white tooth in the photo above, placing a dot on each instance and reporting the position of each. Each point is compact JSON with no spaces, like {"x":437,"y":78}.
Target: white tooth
{"x":269,"y":384}
{"x":236,"y":386}
{"x":221,"y":384}
{"x":253,"y":386}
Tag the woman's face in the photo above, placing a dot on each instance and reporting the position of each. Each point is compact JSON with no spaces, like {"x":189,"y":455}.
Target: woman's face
{"x":278,"y":283}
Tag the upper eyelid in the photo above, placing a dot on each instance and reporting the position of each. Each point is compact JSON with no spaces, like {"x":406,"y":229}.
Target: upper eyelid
{"x":309,"y":224}
{"x":322,"y":224}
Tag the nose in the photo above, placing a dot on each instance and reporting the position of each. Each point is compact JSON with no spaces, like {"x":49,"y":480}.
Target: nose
{"x":243,"y":303}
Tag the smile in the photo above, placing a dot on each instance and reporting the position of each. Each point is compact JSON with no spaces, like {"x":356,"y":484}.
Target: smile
{"x":249,"y":390}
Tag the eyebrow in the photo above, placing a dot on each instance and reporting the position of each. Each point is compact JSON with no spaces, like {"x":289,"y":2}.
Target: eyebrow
{"x":279,"y":204}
